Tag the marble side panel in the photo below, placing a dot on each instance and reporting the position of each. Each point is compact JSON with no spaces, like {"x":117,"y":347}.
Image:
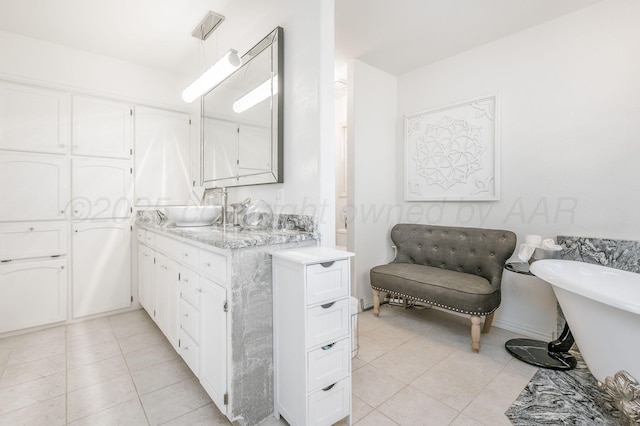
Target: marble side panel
{"x":618,"y":254}
{"x":252,"y":333}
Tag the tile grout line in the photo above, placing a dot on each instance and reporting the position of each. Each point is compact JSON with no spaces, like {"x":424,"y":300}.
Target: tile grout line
{"x":146,"y":415}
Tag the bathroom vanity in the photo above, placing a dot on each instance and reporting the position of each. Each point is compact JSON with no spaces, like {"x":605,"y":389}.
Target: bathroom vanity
{"x":209,"y":290}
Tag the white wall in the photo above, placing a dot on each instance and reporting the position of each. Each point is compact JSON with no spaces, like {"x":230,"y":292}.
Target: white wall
{"x":371,"y":171}
{"x":570,"y":102}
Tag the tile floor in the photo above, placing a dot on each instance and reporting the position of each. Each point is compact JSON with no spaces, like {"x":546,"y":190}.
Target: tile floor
{"x":414,"y":367}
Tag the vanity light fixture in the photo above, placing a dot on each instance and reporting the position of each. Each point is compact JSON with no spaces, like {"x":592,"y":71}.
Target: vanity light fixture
{"x":220,"y":70}
{"x":257,"y":95}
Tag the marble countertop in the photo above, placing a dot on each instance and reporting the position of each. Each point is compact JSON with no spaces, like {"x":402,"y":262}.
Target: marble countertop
{"x":230,"y":237}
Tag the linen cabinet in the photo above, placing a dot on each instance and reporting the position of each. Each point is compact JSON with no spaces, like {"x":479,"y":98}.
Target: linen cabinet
{"x":312,"y":336}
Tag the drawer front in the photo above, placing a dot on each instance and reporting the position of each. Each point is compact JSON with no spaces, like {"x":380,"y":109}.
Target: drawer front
{"x":141,"y":235}
{"x":330,"y":404}
{"x":27,"y":240}
{"x":329,"y":364}
{"x":150,"y":238}
{"x":327,"y":323}
{"x":189,"y":320}
{"x":327,"y":281}
{"x":190,"y":352}
{"x":186,"y":254}
{"x":190,"y":286}
{"x":214,"y":265}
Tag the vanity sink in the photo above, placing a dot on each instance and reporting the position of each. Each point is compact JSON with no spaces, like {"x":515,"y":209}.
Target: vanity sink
{"x":193,"y":215}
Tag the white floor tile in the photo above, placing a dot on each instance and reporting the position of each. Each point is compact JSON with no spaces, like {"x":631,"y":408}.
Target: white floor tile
{"x":51,"y":412}
{"x":97,"y":372}
{"x":208,"y":415}
{"x":26,"y":372}
{"x":174,"y":401}
{"x":161,"y":375}
{"x":412,"y":407}
{"x":374,"y":386}
{"x":96,"y":398}
{"x":32,"y":392}
{"x":129,"y":413}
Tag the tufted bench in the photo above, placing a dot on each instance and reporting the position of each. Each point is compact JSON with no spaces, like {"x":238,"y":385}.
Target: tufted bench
{"x":455,"y":268}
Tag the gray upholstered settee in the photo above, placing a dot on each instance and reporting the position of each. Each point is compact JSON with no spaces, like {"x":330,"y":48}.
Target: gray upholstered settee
{"x":455,"y":268}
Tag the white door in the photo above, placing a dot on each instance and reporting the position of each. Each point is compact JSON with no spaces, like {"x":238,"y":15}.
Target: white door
{"x":146,"y":284}
{"x":32,"y":293}
{"x":101,"y":267}
{"x":33,"y":187}
{"x":213,"y":342}
{"x":33,"y":119}
{"x":101,"y":127}
{"x":162,"y":157}
{"x":101,"y":188}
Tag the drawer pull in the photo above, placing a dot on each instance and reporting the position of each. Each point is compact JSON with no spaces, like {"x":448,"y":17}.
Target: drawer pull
{"x":207,"y":264}
{"x":31,"y":228}
{"x":329,"y":387}
{"x":199,"y":290}
{"x":327,"y":305}
{"x":185,"y":254}
{"x":327,"y":264}
{"x":186,"y":315}
{"x":329,"y":346}
{"x":186,"y":280}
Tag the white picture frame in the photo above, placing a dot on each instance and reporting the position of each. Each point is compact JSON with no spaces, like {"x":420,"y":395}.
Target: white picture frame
{"x":452,"y":153}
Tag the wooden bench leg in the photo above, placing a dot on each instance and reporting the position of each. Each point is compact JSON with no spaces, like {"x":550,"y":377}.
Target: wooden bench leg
{"x":376,"y":302}
{"x":487,"y":323}
{"x":475,"y":333}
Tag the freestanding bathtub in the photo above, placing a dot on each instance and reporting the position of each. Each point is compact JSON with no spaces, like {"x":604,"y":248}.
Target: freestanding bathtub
{"x":602,"y":308}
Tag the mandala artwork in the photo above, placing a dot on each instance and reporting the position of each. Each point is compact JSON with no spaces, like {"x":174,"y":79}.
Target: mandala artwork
{"x":451,"y":153}
{"x":448,"y":152}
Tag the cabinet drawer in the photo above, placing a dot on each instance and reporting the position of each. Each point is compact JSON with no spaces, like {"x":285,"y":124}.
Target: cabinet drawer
{"x":189,"y":320}
{"x":190,"y":352}
{"x":28,"y":239}
{"x":327,"y":281}
{"x":214,"y":265}
{"x":150,"y":238}
{"x":186,"y":254}
{"x":330,"y":404}
{"x":190,"y":286}
{"x":329,"y":364}
{"x":141,"y":234}
{"x":327,"y":323}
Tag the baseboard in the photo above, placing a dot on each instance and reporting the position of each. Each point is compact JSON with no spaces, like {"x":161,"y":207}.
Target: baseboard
{"x":524,"y":330}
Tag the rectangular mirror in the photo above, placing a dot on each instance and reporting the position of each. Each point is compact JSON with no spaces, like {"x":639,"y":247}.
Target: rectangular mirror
{"x":242,"y":120}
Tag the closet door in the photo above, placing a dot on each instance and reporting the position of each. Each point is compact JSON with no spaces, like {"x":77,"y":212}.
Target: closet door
{"x":162,"y":157}
{"x":101,"y":267}
{"x":101,"y":127}
{"x":33,"y":119}
{"x":33,"y":187}
{"x":101,"y":188}
{"x":32,"y":293}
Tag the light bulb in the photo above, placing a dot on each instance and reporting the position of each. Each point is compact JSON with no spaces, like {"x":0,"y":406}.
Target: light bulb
{"x":219,"y":71}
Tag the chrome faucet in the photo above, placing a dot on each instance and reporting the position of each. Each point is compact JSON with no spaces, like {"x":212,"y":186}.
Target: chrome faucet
{"x":223,"y":198}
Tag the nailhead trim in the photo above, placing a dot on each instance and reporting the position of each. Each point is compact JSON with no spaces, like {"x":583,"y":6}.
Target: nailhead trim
{"x":433,"y":303}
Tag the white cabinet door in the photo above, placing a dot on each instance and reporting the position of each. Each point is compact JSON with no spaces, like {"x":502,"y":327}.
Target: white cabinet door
{"x":101,"y":188}
{"x":33,"y":119}
{"x":167,"y":295}
{"x":101,"y":267}
{"x":162,"y":157}
{"x":146,"y":279}
{"x":101,"y":127}
{"x":33,"y":187}
{"x":213,"y":342}
{"x":32,"y":294}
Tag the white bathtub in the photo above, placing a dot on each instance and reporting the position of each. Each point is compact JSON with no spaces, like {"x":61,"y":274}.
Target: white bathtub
{"x":602,"y":307}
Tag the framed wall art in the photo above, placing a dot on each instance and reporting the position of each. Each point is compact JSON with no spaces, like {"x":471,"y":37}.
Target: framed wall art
{"x":452,"y":153}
